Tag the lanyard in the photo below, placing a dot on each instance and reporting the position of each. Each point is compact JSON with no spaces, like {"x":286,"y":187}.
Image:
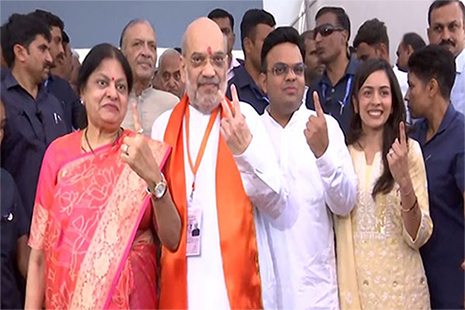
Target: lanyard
{"x":346,"y":95}
{"x":203,"y":145}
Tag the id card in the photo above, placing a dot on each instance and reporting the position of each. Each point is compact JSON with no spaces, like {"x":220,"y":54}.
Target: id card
{"x":194,"y":234}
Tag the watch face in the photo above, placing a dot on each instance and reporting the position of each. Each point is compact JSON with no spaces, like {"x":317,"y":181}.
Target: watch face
{"x":160,"y":190}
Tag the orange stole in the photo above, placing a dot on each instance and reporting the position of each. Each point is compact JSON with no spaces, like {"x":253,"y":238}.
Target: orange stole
{"x":236,"y":226}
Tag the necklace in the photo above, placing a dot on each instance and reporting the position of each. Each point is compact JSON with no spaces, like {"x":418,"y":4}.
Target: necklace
{"x":88,"y":143}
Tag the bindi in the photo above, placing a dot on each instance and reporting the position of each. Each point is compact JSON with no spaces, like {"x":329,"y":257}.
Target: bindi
{"x":112,"y":78}
{"x":209,"y":50}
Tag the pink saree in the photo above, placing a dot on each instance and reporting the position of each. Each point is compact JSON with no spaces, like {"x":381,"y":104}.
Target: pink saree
{"x":94,"y":221}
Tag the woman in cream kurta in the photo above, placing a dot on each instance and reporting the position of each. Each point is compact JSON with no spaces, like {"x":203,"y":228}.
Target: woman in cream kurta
{"x":379,"y":264}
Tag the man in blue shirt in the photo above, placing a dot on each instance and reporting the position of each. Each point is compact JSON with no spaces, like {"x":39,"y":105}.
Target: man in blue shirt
{"x":441,"y":135}
{"x":332,"y":33}
{"x":74,"y":112}
{"x":255,"y":26}
{"x":446,"y":21}
{"x":34,"y":117}
{"x":14,"y":227}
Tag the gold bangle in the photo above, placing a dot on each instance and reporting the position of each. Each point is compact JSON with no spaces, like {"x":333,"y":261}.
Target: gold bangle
{"x":411,"y":208}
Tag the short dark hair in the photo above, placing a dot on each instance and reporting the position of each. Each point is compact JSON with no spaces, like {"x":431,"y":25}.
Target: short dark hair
{"x":220,"y":13}
{"x":65,"y":38}
{"x":307,"y":35}
{"x":385,"y":182}
{"x":434,"y":62}
{"x":278,"y":36}
{"x":50,"y":19}
{"x":251,"y":19}
{"x":341,"y":16}
{"x":20,"y":29}
{"x":95,"y":57}
{"x":414,"y":40}
{"x":440,"y":3}
{"x":372,"y":32}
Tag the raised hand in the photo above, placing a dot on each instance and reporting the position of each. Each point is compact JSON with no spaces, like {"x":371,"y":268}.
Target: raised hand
{"x":316,"y":131}
{"x":233,"y":127}
{"x":397,"y":158}
{"x":137,"y":154}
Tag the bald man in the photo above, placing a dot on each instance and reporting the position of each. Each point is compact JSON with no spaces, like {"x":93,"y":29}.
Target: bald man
{"x":217,"y":174}
{"x":170,"y":75}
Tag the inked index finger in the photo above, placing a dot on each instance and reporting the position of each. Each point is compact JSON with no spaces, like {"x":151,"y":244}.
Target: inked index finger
{"x":235,"y":100}
{"x":225,"y":105}
{"x":403,"y":138}
{"x":135,"y":115}
{"x":318,"y":108}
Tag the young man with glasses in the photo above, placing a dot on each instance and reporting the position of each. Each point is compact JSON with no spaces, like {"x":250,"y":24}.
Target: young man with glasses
{"x":332,"y":33}
{"x":318,"y":179}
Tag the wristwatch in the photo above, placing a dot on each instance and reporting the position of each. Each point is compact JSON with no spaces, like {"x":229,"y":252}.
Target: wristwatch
{"x":159,"y":190}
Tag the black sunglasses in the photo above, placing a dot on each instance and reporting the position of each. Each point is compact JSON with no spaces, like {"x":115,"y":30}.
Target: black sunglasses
{"x":326,"y":30}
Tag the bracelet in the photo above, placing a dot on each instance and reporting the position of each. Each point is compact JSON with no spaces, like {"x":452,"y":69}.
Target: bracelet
{"x":411,"y":208}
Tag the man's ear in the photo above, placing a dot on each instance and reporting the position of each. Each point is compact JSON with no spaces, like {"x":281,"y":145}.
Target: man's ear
{"x":182,"y":62}
{"x":262,"y":80}
{"x":345,"y":35}
{"x":410,"y":50}
{"x":429,"y":32}
{"x":384,"y":51}
{"x":433,"y":88}
{"x":182,"y":69}
{"x":20,"y":52}
{"x":247,"y":46}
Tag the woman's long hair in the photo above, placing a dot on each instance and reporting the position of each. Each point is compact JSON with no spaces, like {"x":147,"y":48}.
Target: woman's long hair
{"x":385,"y":182}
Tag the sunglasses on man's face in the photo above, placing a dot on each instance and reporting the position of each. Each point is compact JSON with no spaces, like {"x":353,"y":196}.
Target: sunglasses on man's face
{"x":326,"y":30}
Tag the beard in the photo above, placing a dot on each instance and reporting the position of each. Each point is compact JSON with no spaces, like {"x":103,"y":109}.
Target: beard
{"x":205,"y":101}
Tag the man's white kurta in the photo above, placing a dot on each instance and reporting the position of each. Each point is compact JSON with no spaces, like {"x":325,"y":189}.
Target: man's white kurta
{"x":302,"y":238}
{"x":457,"y":96}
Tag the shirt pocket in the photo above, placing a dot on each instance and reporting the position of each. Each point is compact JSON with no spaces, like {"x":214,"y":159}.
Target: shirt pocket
{"x":28,"y":127}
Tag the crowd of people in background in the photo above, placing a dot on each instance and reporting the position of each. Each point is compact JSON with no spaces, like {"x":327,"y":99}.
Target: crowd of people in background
{"x":312,"y":174}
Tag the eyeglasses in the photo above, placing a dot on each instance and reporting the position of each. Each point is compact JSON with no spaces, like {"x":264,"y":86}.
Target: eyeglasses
{"x":326,"y":30}
{"x":282,"y":69}
{"x":217,"y":60}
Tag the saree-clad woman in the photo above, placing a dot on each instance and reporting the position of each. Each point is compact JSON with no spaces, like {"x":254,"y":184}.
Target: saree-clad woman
{"x":378,"y":258}
{"x":94,"y":223}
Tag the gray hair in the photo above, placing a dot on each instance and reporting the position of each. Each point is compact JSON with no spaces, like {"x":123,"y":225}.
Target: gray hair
{"x":131,"y":23}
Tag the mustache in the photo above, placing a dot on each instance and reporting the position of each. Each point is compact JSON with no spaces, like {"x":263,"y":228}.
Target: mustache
{"x":294,"y":85}
{"x":447,"y":42}
{"x":213,"y":80}
{"x":61,"y":56}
